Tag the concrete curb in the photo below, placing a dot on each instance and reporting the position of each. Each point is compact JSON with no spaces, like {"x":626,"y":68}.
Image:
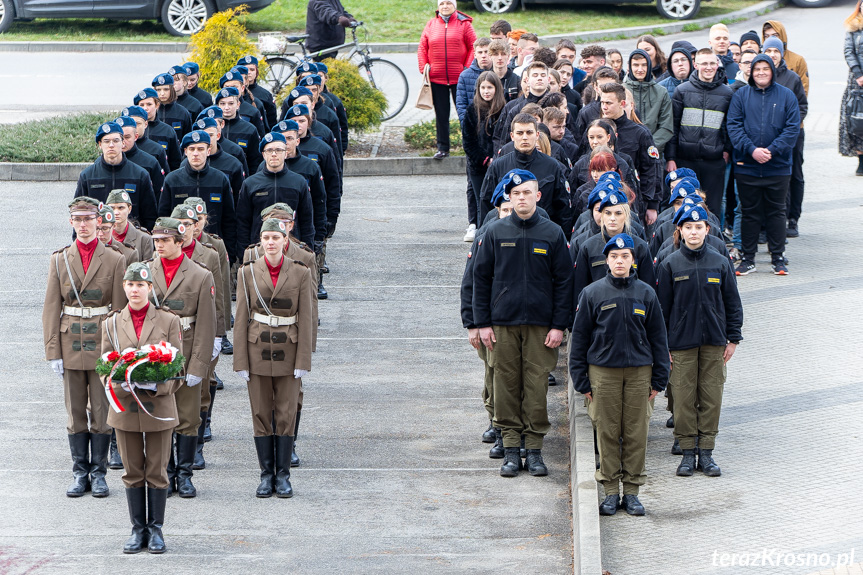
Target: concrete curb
{"x":586,"y":544}
{"x":354,"y":167}
{"x":672,"y":27}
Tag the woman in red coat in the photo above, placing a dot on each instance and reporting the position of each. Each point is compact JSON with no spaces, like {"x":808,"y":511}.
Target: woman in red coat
{"x":446,"y":46}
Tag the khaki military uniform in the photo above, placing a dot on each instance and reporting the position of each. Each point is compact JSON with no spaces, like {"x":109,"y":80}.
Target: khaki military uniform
{"x":140,"y":240}
{"x":129,"y":253}
{"x":272,"y":338}
{"x":144,"y":442}
{"x":223,"y":291}
{"x":71,"y":328}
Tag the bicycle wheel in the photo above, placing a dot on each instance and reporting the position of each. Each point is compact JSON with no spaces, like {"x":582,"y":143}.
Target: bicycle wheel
{"x":279,"y":72}
{"x":389,"y":79}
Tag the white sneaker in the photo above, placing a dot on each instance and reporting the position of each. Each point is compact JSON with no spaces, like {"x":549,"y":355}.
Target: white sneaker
{"x":470,"y":234}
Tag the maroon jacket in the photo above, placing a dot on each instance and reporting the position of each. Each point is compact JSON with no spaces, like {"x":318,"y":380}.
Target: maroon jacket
{"x":447,"y":46}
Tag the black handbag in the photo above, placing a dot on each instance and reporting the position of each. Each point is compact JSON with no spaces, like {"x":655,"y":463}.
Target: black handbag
{"x":854,"y":113}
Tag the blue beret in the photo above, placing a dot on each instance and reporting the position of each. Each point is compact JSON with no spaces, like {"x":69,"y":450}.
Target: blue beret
{"x":214,"y":112}
{"x":512,"y":179}
{"x":174,"y":70}
{"x":308,"y":68}
{"x":230,"y":76}
{"x":205,"y":122}
{"x":108,"y":128}
{"x":600,"y":191}
{"x":144,"y":94}
{"x":270,"y":138}
{"x":610,"y":175}
{"x":614,"y":198}
{"x":227,"y":93}
{"x":313,"y":80}
{"x":298,"y":110}
{"x":689,"y":213}
{"x":192,"y":68}
{"x":241,"y":69}
{"x":163,"y":80}
{"x":322,"y":68}
{"x":126,"y":122}
{"x":286,"y":126}
{"x":683,"y":190}
{"x":134,"y":111}
{"x":298,"y":92}
{"x":619,"y":242}
{"x":677,"y":174}
{"x":246,"y":60}
{"x":195,"y":137}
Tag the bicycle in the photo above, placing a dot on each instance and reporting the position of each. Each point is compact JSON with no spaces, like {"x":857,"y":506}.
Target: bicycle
{"x":382,"y":74}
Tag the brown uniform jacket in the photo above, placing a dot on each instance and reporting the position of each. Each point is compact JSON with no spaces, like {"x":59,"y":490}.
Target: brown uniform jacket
{"x":130,"y":254}
{"x":159,"y":325}
{"x":192,"y":293}
{"x":223,"y":289}
{"x":273,"y":351}
{"x":207,"y":255}
{"x":73,"y":339}
{"x":141,"y":241}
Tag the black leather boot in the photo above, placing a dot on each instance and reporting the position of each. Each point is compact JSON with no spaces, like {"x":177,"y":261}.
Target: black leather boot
{"x":669,"y":422}
{"x":534,"y":463}
{"x":632,"y":505}
{"x":859,"y":171}
{"x":79,"y":445}
{"x":496,"y":451}
{"x":114,"y":459}
{"x":198,"y":462}
{"x":687,"y":465}
{"x":227,"y":346}
{"x":136,"y":499}
{"x":284,"y":448}
{"x":488,"y":435}
{"x":551,"y":379}
{"x":266,"y":448}
{"x":172,"y":467}
{"x":511,"y":462}
{"x":706,"y":464}
{"x":295,"y":459}
{"x":219,"y":383}
{"x":322,"y":291}
{"x":99,"y":444}
{"x":609,"y":505}
{"x":186,"y":446}
{"x":675,"y":448}
{"x":208,"y":432}
{"x":156,"y":499}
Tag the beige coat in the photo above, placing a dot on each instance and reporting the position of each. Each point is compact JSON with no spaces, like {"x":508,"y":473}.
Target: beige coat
{"x":140,"y":240}
{"x":223,"y":289}
{"x":130,"y":254}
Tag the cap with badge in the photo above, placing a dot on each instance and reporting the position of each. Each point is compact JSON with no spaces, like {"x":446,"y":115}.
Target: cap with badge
{"x":619,"y":242}
{"x":168,"y":228}
{"x":138,"y":272}
{"x":184,"y":212}
{"x":213,"y":112}
{"x":322,"y":68}
{"x":298,"y":92}
{"x":270,"y":138}
{"x":286,"y":126}
{"x":279,"y":206}
{"x":600,"y":191}
{"x":84,"y":206}
{"x":308,"y":68}
{"x":175,"y":70}
{"x":204,"y":123}
{"x":134,"y":112}
{"x":226,"y":93}
{"x":119,"y":197}
{"x":609,"y":176}
{"x":274,"y":225}
{"x":192,"y":68}
{"x":199,"y":204}
{"x":682,"y":190}
{"x":242,"y":70}
{"x":512,"y":179}
{"x":690,"y":213}
{"x":296,"y":111}
{"x":126,"y":122}
{"x":144,"y":94}
{"x":195,"y":137}
{"x":106,"y":212}
{"x":163,"y":80}
{"x":108,"y":128}
{"x":230,"y":76}
{"x":312,"y":80}
{"x":677,"y":174}
{"x":247,"y":60}
{"x":616,"y":197}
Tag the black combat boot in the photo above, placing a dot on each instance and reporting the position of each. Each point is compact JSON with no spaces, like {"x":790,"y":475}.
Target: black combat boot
{"x":172,"y":467}
{"x":551,"y":379}
{"x":511,"y":462}
{"x":535,"y":465}
{"x":284,"y":448}
{"x":859,"y":171}
{"x":322,"y":291}
{"x":488,"y":435}
{"x":295,"y":459}
{"x":198,"y":462}
{"x":219,"y":383}
{"x":266,"y":448}
{"x":136,"y":499}
{"x":186,"y":446}
{"x":156,"y":500}
{"x":687,"y":465}
{"x":632,"y":505}
{"x":99,"y":444}
{"x":79,"y":445}
{"x":227,"y":346}
{"x":114,"y":459}
{"x":706,"y":463}
{"x":675,"y":448}
{"x":669,"y":422}
{"x":496,"y":451}
{"x":609,"y":505}
{"x":208,"y":432}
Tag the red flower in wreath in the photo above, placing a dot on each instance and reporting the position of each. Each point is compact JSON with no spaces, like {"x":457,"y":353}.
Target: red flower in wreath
{"x":113,"y":356}
{"x":128,"y":357}
{"x":154,"y":356}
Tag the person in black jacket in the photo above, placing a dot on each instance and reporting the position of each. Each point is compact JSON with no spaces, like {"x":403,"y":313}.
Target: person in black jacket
{"x":261,"y":94}
{"x":136,"y":156}
{"x":159,"y":131}
{"x":112,"y":171}
{"x":592,"y":111}
{"x":139,"y":115}
{"x":181,"y":82}
{"x":697,"y":290}
{"x":246,"y":110}
{"x":323,"y":115}
{"x":326,"y":21}
{"x":700,"y":139}
{"x":522,"y":297}
{"x":238,"y":130}
{"x":537,"y":81}
{"x":193,"y":74}
{"x":215,"y":113}
{"x":170,"y":112}
{"x":554,"y":189}
{"x":218,"y":158}
{"x":196,"y":178}
{"x":618,"y":358}
{"x":335,"y":103}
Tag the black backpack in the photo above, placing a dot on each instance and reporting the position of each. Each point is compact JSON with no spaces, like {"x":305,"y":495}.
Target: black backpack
{"x":854,"y":113}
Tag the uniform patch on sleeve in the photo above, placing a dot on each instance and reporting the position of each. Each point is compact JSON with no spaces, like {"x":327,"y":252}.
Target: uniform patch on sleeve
{"x":243,"y":143}
{"x":215,"y":198}
{"x":713,"y":279}
{"x":638,"y":309}
{"x":131,"y":188}
{"x":653,"y":152}
{"x":540,"y":248}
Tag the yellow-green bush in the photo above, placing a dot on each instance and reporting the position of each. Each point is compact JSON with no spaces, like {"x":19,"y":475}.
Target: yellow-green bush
{"x":219,"y":45}
{"x":365,"y":104}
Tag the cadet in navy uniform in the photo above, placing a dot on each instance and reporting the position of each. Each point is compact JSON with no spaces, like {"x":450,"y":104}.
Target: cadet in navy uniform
{"x":315,"y":149}
{"x":157,"y":130}
{"x":215,"y":113}
{"x":238,"y":130}
{"x":170,"y":111}
{"x":181,"y":82}
{"x":246,"y":110}
{"x":618,"y":358}
{"x":144,"y":143}
{"x":522,"y":300}
{"x":303,"y":96}
{"x":335,"y":103}
{"x":697,"y":289}
{"x":218,"y":158}
{"x":193,"y":74}
{"x":139,"y":158}
{"x":112,"y":171}
{"x":261,"y":94}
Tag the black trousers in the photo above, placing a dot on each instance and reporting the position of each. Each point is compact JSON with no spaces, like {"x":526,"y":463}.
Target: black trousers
{"x":794,"y":204}
{"x":441,"y":95}
{"x":474,"y":185}
{"x":711,"y":176}
{"x":762,"y":200}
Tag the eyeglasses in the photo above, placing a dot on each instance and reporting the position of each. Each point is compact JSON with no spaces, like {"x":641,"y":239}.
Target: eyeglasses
{"x":275,"y":151}
{"x":82,"y":220}
{"x":105,"y":229}
{"x":112,"y":142}
{"x":749,"y":63}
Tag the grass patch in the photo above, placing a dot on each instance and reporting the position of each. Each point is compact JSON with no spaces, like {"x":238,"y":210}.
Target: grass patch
{"x":61,"y":139}
{"x":386,"y":20}
{"x":423,"y":136}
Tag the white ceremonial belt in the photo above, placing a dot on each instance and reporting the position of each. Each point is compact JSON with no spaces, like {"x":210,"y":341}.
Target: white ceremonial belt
{"x":86,"y":312}
{"x":274,"y":320}
{"x":186,"y":322}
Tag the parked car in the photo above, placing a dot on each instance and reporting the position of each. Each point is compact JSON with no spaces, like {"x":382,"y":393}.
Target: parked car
{"x":179,"y":17}
{"x":673,"y":9}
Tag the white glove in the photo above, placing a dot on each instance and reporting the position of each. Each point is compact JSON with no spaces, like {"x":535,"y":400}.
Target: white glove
{"x":148,"y":386}
{"x":193,"y":380}
{"x":57,"y":366}
{"x":217,"y":347}
{"x":300,"y":373}
{"x":244,"y":374}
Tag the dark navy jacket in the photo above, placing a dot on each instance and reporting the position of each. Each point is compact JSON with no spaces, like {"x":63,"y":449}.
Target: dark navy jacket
{"x":669,"y":248}
{"x":246,"y":136}
{"x":147,"y":145}
{"x":590,"y":266}
{"x":231,"y":167}
{"x":149,"y":163}
{"x":233,"y":149}
{"x":341,"y":113}
{"x":177,"y":117}
{"x":99,"y":178}
{"x":202,"y":96}
{"x":309,"y":169}
{"x":700,"y":303}
{"x":165,"y":136}
{"x":618,"y":324}
{"x":320,"y":153}
{"x":266,"y":188}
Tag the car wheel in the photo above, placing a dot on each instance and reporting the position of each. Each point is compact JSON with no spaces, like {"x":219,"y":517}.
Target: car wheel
{"x":185,"y":17}
{"x":678,"y":9}
{"x":811,"y":3}
{"x":496,"y":6}
{"x":7,"y":14}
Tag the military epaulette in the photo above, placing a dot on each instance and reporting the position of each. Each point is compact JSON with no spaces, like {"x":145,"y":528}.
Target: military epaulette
{"x":151,"y":260}
{"x":130,"y":246}
{"x":116,"y":247}
{"x":214,"y":236}
{"x":301,"y":263}
{"x":211,"y":246}
{"x":60,"y":251}
{"x":199,"y":263}
{"x":114,"y":312}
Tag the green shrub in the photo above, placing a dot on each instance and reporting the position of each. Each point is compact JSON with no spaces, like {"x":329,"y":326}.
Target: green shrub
{"x":61,"y":139}
{"x":219,"y":45}
{"x":424,"y":135}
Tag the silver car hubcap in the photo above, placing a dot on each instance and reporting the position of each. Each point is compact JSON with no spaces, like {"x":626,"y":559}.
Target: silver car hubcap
{"x":678,"y":8}
{"x":497,"y":6}
{"x":187,"y":16}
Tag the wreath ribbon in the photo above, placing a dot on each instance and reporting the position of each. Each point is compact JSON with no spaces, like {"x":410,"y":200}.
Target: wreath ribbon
{"x":112,"y":396}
